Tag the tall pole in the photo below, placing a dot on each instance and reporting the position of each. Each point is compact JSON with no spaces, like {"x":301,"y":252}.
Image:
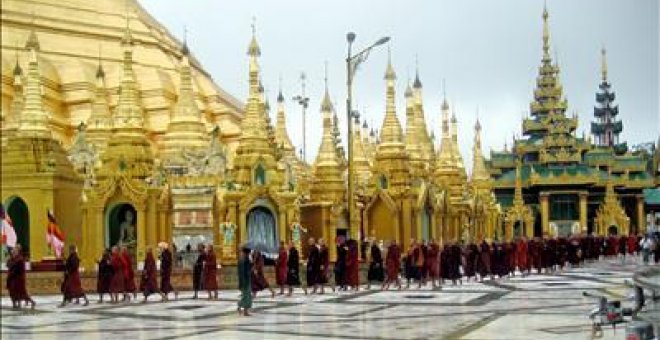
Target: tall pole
{"x":349,"y":121}
{"x":304,"y":102}
{"x":304,"y":115}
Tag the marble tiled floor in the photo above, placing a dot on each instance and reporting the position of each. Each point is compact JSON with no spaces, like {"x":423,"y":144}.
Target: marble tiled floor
{"x":548,"y":306}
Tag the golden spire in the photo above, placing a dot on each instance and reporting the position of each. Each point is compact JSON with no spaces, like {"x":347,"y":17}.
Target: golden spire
{"x":546,"y":34}
{"x":33,"y":119}
{"x":281,"y":135}
{"x":603,"y":64}
{"x":254,"y":52}
{"x":456,"y":152}
{"x":128,"y":112}
{"x":479,"y":172}
{"x":517,"y":196}
{"x":99,"y":122}
{"x":326,"y":103}
{"x":391,"y":130}
{"x":186,"y":130}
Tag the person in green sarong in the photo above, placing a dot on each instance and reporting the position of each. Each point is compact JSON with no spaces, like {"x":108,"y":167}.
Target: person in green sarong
{"x":244,"y":285}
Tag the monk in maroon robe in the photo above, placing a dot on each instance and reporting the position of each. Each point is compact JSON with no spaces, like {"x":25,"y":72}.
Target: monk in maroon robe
{"x":166,"y":273}
{"x":129,"y":275}
{"x":471,"y":255}
{"x":392,"y":265}
{"x":118,"y":276}
{"x":353,"y":265}
{"x":612,"y":246}
{"x":104,"y":277}
{"x":324,"y":255}
{"x":258,"y":278}
{"x":148,"y":282}
{"x":72,"y":287}
{"x":510,"y":258}
{"x":16,"y":283}
{"x":211,"y":273}
{"x":632,"y":244}
{"x":281,"y":267}
{"x":484,"y":267}
{"x":432,"y":260}
{"x":522,"y":256}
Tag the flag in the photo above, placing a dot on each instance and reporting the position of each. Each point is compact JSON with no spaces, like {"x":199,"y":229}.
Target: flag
{"x":54,"y":235}
{"x":7,"y":227}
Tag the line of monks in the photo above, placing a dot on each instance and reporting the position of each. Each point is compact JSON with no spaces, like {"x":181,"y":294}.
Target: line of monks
{"x":422,"y":262}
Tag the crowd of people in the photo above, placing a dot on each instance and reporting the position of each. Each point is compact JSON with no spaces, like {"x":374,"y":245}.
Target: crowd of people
{"x":421,"y":263}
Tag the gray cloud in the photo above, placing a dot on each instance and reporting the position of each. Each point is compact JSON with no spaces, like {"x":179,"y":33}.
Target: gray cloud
{"x":487,"y":51}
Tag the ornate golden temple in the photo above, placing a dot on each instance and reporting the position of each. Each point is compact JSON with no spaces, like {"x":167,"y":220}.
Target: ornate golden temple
{"x":110,"y":122}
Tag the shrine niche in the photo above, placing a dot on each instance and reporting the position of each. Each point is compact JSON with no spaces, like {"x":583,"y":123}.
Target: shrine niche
{"x":611,"y":218}
{"x":381,"y":218}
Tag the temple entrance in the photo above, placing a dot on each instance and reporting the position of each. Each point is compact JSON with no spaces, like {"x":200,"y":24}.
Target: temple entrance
{"x":121,"y":226}
{"x":613,"y":230}
{"x":20,"y":217}
{"x":262,"y":229}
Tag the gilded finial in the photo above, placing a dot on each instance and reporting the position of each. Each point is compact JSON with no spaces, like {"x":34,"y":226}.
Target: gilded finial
{"x":127,"y":39}
{"x":389,"y":72}
{"x":32,"y":42}
{"x":280,"y":97}
{"x":546,"y":32}
{"x":100,"y":73}
{"x":184,"y":48}
{"x":603,"y":65}
{"x":445,"y":104}
{"x":253,"y":49}
{"x":18,"y":71}
{"x":326,"y":103}
{"x":417,"y":84}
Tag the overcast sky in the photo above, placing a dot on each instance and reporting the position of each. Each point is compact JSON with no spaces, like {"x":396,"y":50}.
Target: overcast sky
{"x":487,"y":51}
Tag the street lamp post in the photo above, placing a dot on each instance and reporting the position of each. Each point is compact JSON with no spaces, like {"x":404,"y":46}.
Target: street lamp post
{"x":352,"y":63}
{"x":303,"y":101}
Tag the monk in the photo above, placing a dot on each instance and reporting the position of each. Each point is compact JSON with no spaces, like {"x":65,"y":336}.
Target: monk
{"x":105,"y":274}
{"x":432,"y":259}
{"x":16,"y":285}
{"x":623,"y":243}
{"x":211,"y":273}
{"x":632,"y":244}
{"x":244,"y":269}
{"x":340,"y":264}
{"x":198,"y":270}
{"x":410,"y":264}
{"x":129,"y":275}
{"x":522,"y":256}
{"x":324,"y":256}
{"x":117,"y":283}
{"x":471,"y":254}
{"x":148,"y":282}
{"x":352,"y":265}
{"x":375,"y":273}
{"x":258,"y":279}
{"x":484,"y":261}
{"x":166,"y":273}
{"x":509,"y":258}
{"x":293,"y":269}
{"x":313,"y":265}
{"x":562,"y":252}
{"x":72,"y":287}
{"x":455,"y":258}
{"x":281,"y":268}
{"x":393,"y":264}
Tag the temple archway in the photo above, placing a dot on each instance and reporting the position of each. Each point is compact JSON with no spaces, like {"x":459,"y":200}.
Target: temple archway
{"x":613,"y":230}
{"x":120,"y":222}
{"x":18,"y":211}
{"x":262,"y":228}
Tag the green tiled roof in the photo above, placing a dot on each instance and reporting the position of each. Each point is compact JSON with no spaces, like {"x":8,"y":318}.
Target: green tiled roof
{"x":652,"y":196}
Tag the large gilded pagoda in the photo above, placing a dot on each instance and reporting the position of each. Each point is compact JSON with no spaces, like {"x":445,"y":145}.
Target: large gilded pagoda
{"x":561,"y":182}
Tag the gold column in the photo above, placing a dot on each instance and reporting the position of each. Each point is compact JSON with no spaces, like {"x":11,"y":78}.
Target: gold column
{"x":641,"y":216}
{"x":141,"y":231}
{"x":583,"y":211}
{"x":417,"y":218}
{"x":282,"y":226}
{"x":99,"y":229}
{"x":545,"y":214}
{"x":242,"y":227}
{"x":405,"y":223}
{"x":324,"y":223}
{"x":152,"y":224}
